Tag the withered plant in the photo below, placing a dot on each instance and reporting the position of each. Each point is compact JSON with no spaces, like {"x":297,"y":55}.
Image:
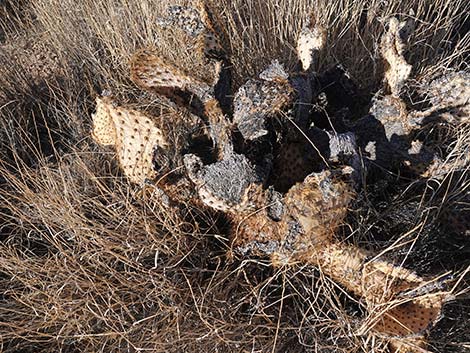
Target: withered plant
{"x":235,"y":176}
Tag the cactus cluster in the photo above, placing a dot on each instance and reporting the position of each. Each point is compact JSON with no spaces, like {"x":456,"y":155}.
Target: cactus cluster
{"x":285,"y":183}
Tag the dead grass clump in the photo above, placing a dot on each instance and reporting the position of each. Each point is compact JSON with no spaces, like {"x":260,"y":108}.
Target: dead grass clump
{"x":83,"y":261}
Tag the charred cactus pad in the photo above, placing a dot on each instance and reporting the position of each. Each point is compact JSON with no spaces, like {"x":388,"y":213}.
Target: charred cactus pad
{"x":184,"y":17}
{"x":286,"y":184}
{"x":255,"y":102}
{"x":222,"y":185}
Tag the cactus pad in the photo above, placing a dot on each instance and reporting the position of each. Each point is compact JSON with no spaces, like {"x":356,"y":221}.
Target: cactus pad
{"x":392,"y":49}
{"x":134,"y":135}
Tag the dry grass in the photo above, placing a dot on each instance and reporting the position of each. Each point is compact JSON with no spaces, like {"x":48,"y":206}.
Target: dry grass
{"x":90,"y":263}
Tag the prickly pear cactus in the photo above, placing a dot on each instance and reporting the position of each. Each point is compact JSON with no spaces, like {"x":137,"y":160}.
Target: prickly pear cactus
{"x":135,"y":136}
{"x":285,"y":184}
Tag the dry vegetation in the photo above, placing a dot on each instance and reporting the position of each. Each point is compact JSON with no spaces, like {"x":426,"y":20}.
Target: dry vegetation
{"x":92,"y":263}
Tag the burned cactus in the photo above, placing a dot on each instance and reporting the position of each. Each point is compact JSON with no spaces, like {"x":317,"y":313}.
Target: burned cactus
{"x":285,"y":184}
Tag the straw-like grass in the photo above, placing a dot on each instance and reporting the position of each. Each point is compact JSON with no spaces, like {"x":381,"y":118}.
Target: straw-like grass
{"x":90,"y":263}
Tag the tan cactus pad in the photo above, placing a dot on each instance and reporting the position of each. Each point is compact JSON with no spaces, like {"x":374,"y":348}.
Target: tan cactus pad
{"x":312,"y":38}
{"x":104,"y":129}
{"x":149,"y":70}
{"x":411,"y":319}
{"x":152,"y":72}
{"x":377,"y":281}
{"x":392,"y":48}
{"x":134,"y":135}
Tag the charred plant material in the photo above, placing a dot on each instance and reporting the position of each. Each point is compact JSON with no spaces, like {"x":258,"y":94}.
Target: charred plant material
{"x":256,"y":101}
{"x":284,"y":184}
{"x":448,"y":97}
